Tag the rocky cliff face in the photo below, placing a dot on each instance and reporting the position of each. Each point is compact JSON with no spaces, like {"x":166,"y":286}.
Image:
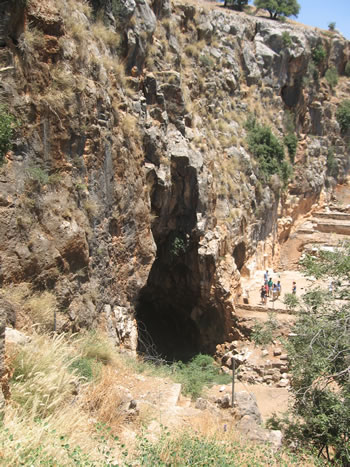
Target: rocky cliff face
{"x":130,"y":196}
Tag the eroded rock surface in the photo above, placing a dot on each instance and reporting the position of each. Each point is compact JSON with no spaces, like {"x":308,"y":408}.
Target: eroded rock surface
{"x":135,"y":197}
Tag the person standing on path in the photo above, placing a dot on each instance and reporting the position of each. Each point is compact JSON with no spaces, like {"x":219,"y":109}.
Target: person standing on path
{"x":270,"y":284}
{"x":263,"y":295}
{"x":266,"y":276}
{"x":294,"y":288}
{"x":279,"y":288}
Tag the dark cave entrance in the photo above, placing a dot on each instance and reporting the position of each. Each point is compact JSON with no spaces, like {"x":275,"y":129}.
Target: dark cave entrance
{"x":177,"y":313}
{"x":165,"y":326}
{"x":239,"y":254}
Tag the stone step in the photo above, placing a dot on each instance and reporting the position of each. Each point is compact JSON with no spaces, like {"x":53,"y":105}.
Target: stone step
{"x":169,"y":397}
{"x":263,"y":308}
{"x":332,"y":215}
{"x":332,"y":226}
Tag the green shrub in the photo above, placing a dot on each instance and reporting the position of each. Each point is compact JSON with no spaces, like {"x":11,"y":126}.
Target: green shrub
{"x":236,"y":4}
{"x":291,"y":301}
{"x":343,"y":115}
{"x":286,"y":173}
{"x":199,"y":372}
{"x":347,"y":69}
{"x":206,"y":61}
{"x":265,"y":147}
{"x":312,"y":75}
{"x":263,"y":333}
{"x":332,"y":164}
{"x":97,"y":348}
{"x":178,"y":246}
{"x":331,"y":26}
{"x":319,"y":54}
{"x":6,"y":131}
{"x":286,"y":39}
{"x":291,"y":142}
{"x":332,"y":77}
{"x":83,"y":368}
{"x":38,"y":177}
{"x":288,"y":122}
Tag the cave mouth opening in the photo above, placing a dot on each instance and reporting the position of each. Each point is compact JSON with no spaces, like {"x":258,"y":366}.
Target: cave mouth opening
{"x":239,"y":255}
{"x":165,"y":328}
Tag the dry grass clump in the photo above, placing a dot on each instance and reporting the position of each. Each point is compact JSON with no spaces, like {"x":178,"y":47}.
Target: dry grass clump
{"x":42,"y":381}
{"x":96,"y":347}
{"x":129,"y":126}
{"x":41,"y":308}
{"x":35,"y":308}
{"x":105,"y":401}
{"x":46,"y":422}
{"x":107,"y":35}
{"x":30,"y":40}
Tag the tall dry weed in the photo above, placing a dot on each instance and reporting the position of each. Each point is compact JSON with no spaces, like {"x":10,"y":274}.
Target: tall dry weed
{"x":42,"y":381}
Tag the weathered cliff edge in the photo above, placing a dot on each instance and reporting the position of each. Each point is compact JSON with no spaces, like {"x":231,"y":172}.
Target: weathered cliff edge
{"x":132,"y":199}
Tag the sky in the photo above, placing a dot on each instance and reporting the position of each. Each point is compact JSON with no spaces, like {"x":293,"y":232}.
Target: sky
{"x":322,"y":12}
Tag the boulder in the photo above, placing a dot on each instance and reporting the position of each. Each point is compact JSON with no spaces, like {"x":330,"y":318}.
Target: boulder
{"x":14,"y":336}
{"x":248,"y":426}
{"x":246,"y":406}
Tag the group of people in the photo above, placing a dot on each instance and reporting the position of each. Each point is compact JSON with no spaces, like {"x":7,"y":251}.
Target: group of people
{"x":272,"y":289}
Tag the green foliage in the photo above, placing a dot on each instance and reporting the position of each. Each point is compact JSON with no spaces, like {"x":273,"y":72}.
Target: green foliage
{"x":178,"y":246}
{"x":331,"y":26}
{"x":236,"y":4}
{"x":312,"y":75}
{"x":286,"y":38}
{"x":332,"y":164}
{"x":291,"y":301}
{"x":347,"y":69}
{"x":319,"y":54}
{"x":291,"y":142}
{"x":7,"y":122}
{"x":97,"y":348}
{"x":266,"y":148}
{"x":343,"y":115}
{"x":279,"y":7}
{"x":193,"y":449}
{"x":206,"y":61}
{"x":118,"y":8}
{"x":332,"y":77}
{"x":83,"y":367}
{"x":263,"y":333}
{"x":288,"y":122}
{"x":201,"y":371}
{"x":286,"y":173}
{"x":319,"y":362}
{"x":38,"y":177}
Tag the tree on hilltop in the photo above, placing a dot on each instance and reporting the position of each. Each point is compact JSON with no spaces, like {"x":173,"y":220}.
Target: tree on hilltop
{"x":279,"y":7}
{"x":236,"y":4}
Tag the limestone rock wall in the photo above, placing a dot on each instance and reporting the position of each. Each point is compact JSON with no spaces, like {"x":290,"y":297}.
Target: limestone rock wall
{"x":129,"y":191}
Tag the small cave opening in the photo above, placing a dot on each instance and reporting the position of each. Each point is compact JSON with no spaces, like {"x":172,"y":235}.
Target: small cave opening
{"x":239,"y":254}
{"x":292,"y":94}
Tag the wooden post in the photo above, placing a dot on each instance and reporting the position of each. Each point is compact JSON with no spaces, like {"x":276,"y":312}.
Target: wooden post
{"x":54,"y":321}
{"x":233,"y":381}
